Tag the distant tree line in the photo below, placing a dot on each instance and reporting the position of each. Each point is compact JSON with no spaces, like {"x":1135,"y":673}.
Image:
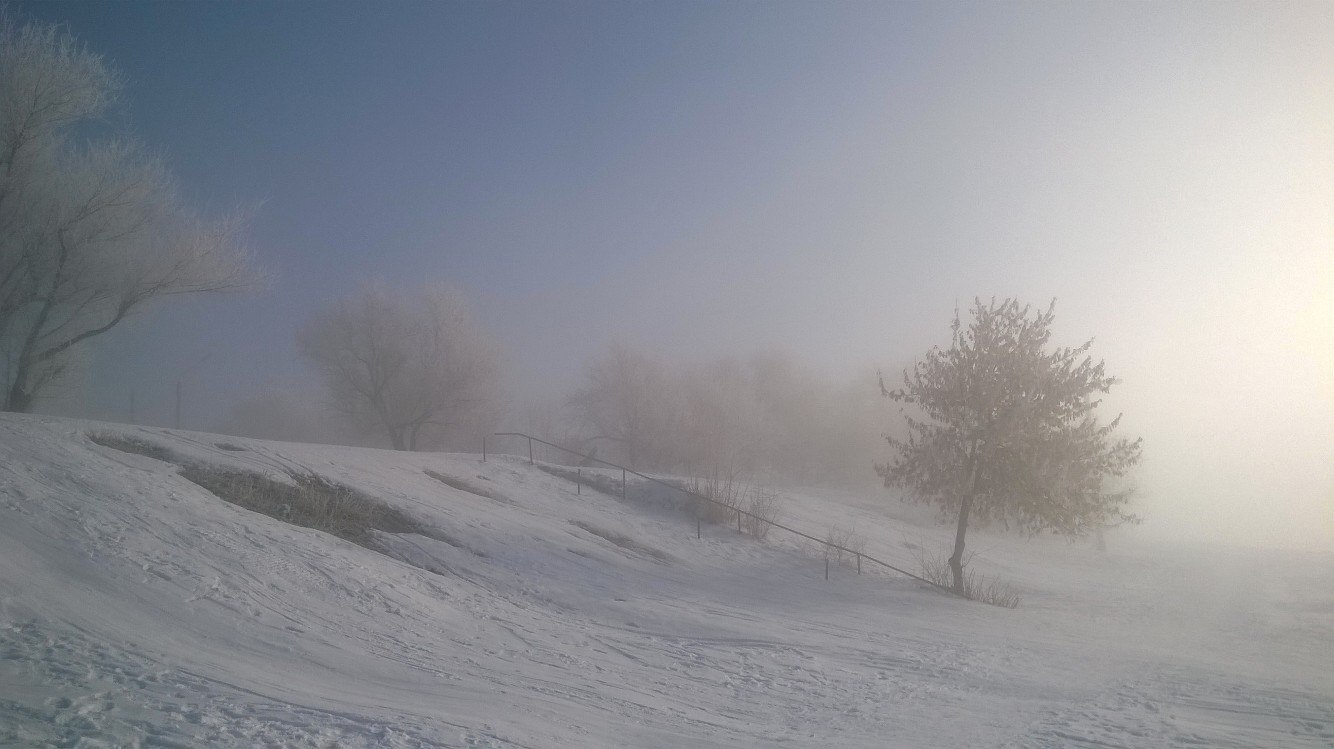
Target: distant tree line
{"x":766,"y":415}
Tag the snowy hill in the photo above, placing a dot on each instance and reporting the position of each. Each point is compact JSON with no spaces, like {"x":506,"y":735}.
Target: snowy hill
{"x":503,"y":607}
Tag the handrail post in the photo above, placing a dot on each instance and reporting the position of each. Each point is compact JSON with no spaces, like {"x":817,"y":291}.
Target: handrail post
{"x":859,"y":563}
{"x":622,"y":484}
{"x":579,"y":481}
{"x":698,"y":524}
{"x":738,"y":520}
{"x":483,"y":448}
{"x":530,"y":451}
{"x":826,"y":565}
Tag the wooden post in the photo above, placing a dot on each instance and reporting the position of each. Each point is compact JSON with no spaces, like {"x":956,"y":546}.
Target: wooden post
{"x":698,"y":523}
{"x":483,"y":448}
{"x":530,"y":451}
{"x":826,"y":565}
{"x":859,"y":564}
{"x":738,"y":520}
{"x":579,"y":481}
{"x":622,"y":483}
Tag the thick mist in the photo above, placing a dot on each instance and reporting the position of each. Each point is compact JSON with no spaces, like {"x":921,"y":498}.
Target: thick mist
{"x":715,"y":188}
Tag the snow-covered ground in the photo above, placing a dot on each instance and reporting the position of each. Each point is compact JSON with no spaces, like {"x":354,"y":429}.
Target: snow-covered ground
{"x":136,"y":608}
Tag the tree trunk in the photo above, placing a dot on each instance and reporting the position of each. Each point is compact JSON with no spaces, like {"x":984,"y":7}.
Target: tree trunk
{"x":396,"y":438}
{"x":956,"y":559}
{"x":18,"y":400}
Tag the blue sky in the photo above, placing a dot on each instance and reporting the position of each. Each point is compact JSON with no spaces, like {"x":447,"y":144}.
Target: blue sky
{"x":825,"y":178}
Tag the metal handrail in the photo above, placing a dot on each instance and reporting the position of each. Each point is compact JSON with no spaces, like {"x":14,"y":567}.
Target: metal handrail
{"x":740,"y":512}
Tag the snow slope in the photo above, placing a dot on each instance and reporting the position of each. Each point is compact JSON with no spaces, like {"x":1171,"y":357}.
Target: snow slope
{"x":138,"y":609}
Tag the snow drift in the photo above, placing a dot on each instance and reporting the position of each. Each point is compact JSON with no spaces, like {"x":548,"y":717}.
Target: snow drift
{"x":489,"y":604}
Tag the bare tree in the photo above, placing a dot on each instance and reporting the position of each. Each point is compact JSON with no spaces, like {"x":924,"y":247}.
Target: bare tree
{"x":412,"y":366}
{"x":91,"y":231}
{"x":1005,"y":430}
{"x":723,"y":419}
{"x":631,"y":405}
{"x":724,"y":430}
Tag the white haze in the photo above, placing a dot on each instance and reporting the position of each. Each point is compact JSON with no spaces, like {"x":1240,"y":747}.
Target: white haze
{"x":1171,"y":185}
{"x":1166,"y":173}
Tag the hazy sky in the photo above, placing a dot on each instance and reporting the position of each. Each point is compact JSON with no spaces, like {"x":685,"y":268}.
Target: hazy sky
{"x":826,"y":178}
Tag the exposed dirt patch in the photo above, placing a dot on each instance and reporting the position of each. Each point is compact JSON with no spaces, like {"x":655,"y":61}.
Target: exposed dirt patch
{"x":311,"y":502}
{"x":134,"y":446}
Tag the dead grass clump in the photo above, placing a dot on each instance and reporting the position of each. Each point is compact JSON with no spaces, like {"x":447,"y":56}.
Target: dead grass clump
{"x":133,"y":445}
{"x":229,"y":447}
{"x":991,"y":590}
{"x":310,"y":502}
{"x":935,"y":566}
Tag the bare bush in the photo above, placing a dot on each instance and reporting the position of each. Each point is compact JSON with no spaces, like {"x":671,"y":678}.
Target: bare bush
{"x":763,"y":507}
{"x":724,"y":488}
{"x":992,"y":590}
{"x":843,"y":546}
{"x":935,"y":567}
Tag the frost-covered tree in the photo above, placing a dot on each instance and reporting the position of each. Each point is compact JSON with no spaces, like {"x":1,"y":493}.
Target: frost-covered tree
{"x":766,"y":415}
{"x":630,"y":408}
{"x":91,"y":230}
{"x":413,"y":366}
{"x":1001,"y":429}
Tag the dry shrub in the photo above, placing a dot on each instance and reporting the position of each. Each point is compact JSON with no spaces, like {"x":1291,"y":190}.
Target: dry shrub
{"x":843,"y":546}
{"x":763,"y":507}
{"x":992,"y":590}
{"x":935,"y":566}
{"x":724,"y":489}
